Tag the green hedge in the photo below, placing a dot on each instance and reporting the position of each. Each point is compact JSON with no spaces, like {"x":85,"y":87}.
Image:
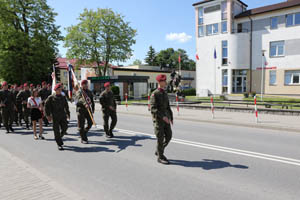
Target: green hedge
{"x":115,"y":90}
{"x":189,"y":92}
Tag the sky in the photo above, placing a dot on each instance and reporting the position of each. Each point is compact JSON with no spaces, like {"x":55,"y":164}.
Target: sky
{"x":160,"y":23}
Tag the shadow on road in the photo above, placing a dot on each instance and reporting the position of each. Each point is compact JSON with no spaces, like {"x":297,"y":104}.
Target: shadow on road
{"x":206,"y":164}
{"x":122,"y":142}
{"x":87,"y":149}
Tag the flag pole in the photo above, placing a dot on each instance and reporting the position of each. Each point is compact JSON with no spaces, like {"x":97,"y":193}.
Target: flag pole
{"x":89,"y":108}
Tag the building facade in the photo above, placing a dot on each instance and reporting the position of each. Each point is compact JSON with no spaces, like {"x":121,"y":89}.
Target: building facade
{"x":243,"y":51}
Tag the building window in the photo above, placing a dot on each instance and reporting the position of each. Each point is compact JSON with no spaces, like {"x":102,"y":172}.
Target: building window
{"x":224,"y":52}
{"x":292,"y":77}
{"x":224,"y":27}
{"x":276,"y":49}
{"x":212,"y":29}
{"x":274,"y":22}
{"x":200,"y":14}
{"x":200,"y":31}
{"x":224,"y":10}
{"x":240,"y":28}
{"x":272,"y":77}
{"x":293,"y":19}
{"x":225,"y":78}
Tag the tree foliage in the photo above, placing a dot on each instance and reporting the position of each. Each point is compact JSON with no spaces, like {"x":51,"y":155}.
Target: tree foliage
{"x":101,"y":36}
{"x":137,"y":62}
{"x":169,"y":59}
{"x":28,"y":40}
{"x":151,"y":58}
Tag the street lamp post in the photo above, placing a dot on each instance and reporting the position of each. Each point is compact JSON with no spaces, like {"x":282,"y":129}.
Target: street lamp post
{"x":262,"y":74}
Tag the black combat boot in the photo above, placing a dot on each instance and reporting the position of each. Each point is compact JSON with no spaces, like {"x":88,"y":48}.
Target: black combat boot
{"x":11,"y":129}
{"x":111,"y":134}
{"x":163,"y":160}
{"x":7,"y":130}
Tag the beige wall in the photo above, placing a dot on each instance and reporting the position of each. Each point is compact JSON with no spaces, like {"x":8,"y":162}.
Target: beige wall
{"x":64,"y":79}
{"x":280,"y":87}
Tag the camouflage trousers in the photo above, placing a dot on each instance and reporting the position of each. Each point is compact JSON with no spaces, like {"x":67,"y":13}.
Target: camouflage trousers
{"x":163,"y":134}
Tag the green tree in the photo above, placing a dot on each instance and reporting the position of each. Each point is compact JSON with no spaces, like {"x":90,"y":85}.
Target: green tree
{"x":169,"y":59}
{"x":28,"y":40}
{"x":137,"y":62}
{"x":101,"y":36}
{"x":151,"y":58}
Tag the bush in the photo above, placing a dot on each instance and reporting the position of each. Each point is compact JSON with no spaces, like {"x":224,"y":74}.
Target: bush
{"x":189,"y":92}
{"x":246,"y":95}
{"x":115,"y":90}
{"x":222,"y":97}
{"x":253,"y":94}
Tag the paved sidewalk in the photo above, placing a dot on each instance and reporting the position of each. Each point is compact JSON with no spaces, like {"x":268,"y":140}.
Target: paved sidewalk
{"x":266,"y":121}
{"x":20,"y":181}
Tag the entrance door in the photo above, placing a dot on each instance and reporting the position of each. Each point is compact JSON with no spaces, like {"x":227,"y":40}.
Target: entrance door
{"x":239,"y":84}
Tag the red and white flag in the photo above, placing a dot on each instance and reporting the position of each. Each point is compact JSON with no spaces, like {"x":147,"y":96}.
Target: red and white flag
{"x":53,"y":80}
{"x":197,"y":57}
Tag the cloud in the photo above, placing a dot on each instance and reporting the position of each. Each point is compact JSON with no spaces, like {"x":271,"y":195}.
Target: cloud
{"x":179,"y":37}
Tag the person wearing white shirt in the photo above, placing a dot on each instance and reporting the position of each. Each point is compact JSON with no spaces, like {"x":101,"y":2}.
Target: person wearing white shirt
{"x":36,"y":106}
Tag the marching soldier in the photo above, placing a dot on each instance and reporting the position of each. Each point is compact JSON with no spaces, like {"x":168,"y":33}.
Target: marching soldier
{"x":15,"y":92}
{"x":31,"y":87}
{"x":44,"y":93}
{"x":23,"y":98}
{"x":162,"y":116}
{"x":8,"y":105}
{"x":85,"y":107}
{"x":109,"y":109}
{"x":57,"y":109}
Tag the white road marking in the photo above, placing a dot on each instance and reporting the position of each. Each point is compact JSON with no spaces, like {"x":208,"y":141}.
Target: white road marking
{"x":274,"y":158}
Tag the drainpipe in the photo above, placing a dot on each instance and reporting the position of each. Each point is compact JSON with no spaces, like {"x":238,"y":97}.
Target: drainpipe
{"x":251,"y":53}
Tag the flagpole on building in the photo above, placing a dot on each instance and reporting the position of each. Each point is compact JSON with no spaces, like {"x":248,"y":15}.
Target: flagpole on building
{"x":215,"y":71}
{"x":262,"y":74}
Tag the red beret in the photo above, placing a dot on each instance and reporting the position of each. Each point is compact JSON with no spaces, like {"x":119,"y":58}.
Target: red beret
{"x":25,"y":84}
{"x":161,"y":77}
{"x":31,"y":85}
{"x":49,"y":84}
{"x":4,"y":83}
{"x":44,"y":83}
{"x":107,"y":84}
{"x":57,"y":86}
{"x":84,"y":82}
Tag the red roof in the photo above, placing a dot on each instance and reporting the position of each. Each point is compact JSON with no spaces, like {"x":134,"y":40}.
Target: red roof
{"x":63,"y":63}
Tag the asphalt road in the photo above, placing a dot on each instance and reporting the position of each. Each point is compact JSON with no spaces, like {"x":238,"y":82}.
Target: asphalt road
{"x":207,"y":161}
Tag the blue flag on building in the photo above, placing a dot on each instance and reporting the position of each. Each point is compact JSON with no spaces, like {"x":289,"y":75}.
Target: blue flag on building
{"x":215,"y":54}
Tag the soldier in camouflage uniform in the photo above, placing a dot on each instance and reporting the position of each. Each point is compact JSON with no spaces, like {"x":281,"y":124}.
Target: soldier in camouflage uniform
{"x":8,"y":106}
{"x":23,"y":98}
{"x":109,"y":109}
{"x":57,"y":109}
{"x":44,"y":93}
{"x":85,"y":104}
{"x":162,"y":118}
{"x":15,"y":92}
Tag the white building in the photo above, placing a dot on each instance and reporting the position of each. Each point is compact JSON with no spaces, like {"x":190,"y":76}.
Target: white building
{"x":240,"y":38}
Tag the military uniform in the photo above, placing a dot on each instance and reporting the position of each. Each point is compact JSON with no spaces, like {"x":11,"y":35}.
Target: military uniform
{"x":160,"y":108}
{"x":84,"y":98}
{"x":8,"y":105}
{"x":44,"y":93}
{"x":57,"y":107}
{"x":23,"y":98}
{"x":107,"y":100}
{"x":15,"y":92}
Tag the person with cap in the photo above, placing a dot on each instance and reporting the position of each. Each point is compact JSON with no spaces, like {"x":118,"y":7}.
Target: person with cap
{"x":162,"y":117}
{"x":15,"y":92}
{"x":8,"y":105}
{"x":85,"y":107}
{"x":57,"y":110}
{"x":31,"y":87}
{"x":109,"y":109}
{"x":44,"y":93}
{"x":23,"y":98}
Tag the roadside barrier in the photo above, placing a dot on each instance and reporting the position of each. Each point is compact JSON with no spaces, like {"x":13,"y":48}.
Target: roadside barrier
{"x":256,"y":112}
{"x":212,"y":107}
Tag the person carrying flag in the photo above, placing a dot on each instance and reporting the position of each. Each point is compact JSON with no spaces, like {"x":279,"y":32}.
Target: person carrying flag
{"x":57,"y":110}
{"x":85,"y":107}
